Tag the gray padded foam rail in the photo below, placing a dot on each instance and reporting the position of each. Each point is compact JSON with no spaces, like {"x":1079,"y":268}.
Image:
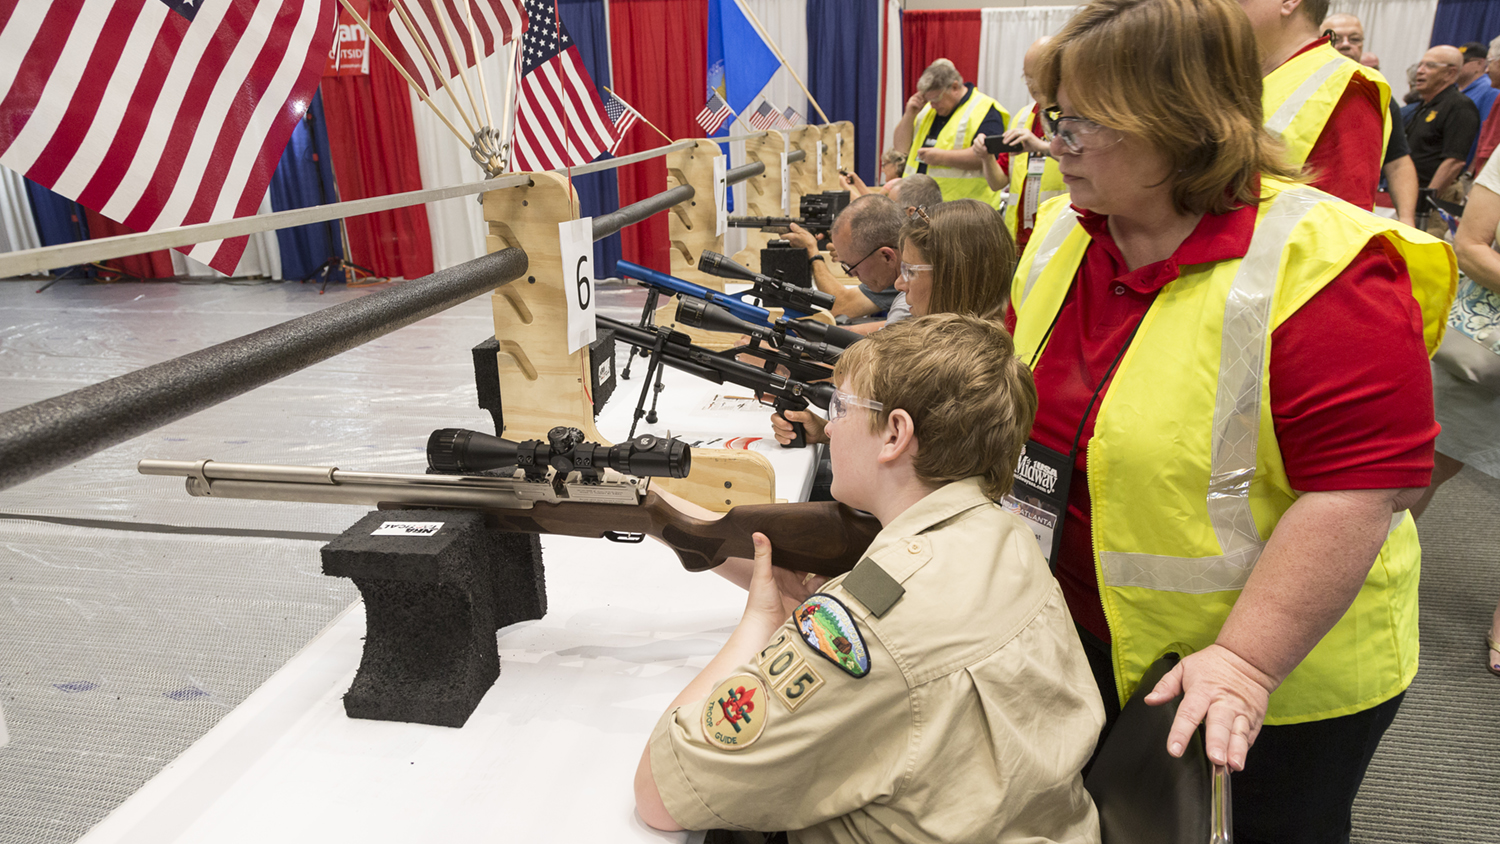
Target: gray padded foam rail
{"x":50,"y":434}
{"x":607,"y":224}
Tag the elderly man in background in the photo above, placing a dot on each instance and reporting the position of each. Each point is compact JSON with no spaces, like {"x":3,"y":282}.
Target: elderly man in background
{"x":1400,"y":174}
{"x":1338,"y":127}
{"x":938,"y":129}
{"x":1442,"y":128}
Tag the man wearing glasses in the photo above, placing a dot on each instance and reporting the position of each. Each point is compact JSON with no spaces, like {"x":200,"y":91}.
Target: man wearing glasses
{"x":1337,"y":127}
{"x":864,"y":239}
{"x":1442,"y":129}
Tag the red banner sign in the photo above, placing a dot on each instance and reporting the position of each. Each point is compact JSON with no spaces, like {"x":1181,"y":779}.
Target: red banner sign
{"x":350,"y":53}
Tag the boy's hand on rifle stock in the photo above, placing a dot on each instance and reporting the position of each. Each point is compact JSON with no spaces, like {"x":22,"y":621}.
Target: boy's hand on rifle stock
{"x":774,"y":592}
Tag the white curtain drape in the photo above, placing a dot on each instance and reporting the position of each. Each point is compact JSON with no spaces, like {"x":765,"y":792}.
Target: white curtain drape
{"x":1004,"y":35}
{"x":894,"y":102}
{"x":458,"y":231}
{"x":17,"y":226}
{"x":1396,"y":31}
{"x":785,"y":21}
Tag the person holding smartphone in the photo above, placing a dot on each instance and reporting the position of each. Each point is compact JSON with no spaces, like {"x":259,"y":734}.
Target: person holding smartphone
{"x":1032,"y":175}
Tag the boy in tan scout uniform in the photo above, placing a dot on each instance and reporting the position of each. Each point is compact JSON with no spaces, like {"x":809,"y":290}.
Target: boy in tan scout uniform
{"x":937,"y":692}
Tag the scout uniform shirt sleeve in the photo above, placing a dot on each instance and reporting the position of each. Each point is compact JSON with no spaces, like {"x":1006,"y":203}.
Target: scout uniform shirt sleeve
{"x":802,"y":734}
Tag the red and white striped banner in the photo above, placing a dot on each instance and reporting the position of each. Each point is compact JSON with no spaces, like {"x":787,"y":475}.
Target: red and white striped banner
{"x":497,"y":22}
{"x":158,"y":113}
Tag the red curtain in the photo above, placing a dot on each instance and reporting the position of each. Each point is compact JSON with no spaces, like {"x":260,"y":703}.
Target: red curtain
{"x":661,"y":68}
{"x":928,"y":36}
{"x":156,"y":264}
{"x":374,"y":149}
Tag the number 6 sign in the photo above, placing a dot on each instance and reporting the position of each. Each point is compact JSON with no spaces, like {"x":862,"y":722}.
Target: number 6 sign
{"x":577,"y":247}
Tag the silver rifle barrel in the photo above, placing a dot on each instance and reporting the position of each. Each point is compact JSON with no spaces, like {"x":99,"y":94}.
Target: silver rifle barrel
{"x":327,"y":485}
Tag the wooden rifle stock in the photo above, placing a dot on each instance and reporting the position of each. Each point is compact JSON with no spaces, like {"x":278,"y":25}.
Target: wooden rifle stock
{"x":825,"y":538}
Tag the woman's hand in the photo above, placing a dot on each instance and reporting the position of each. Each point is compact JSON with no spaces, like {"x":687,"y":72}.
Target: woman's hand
{"x":813,"y":424}
{"x":1224,"y":692}
{"x":1027,"y":139}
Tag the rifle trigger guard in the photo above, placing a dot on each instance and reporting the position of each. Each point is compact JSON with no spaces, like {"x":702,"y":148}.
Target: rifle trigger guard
{"x":625,"y":537}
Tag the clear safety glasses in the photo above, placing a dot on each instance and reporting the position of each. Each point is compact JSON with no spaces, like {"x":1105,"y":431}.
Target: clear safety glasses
{"x":1078,"y":134}
{"x":839,"y":404}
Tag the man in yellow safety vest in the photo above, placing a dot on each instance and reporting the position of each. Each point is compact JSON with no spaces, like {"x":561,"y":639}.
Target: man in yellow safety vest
{"x":940,"y":123}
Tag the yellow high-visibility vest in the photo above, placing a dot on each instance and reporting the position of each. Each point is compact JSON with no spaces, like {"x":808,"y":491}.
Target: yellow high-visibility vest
{"x":1182,"y":502}
{"x":1300,"y":95}
{"x":1052,"y":182}
{"x":958,"y":133}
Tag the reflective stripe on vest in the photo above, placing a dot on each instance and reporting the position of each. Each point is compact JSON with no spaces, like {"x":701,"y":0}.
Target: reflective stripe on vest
{"x":1236,"y":430}
{"x":1288,"y":110}
{"x":1066,"y":221}
{"x":960,"y":131}
{"x":1302,"y":94}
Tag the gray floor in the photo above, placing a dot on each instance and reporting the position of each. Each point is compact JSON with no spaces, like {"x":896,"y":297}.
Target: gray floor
{"x":134,"y":617}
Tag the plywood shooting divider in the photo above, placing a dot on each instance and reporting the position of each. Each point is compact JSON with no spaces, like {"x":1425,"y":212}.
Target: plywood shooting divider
{"x":542,"y":384}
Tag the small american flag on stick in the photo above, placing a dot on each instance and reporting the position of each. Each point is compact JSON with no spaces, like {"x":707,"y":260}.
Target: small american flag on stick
{"x":714,"y":113}
{"x":791,"y":118}
{"x":622,"y":116}
{"x":560,"y":121}
{"x":764,"y":117}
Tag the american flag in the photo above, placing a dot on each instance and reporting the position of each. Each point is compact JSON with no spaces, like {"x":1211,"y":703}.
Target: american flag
{"x":158,"y":113}
{"x":714,"y":113}
{"x":496,"y":21}
{"x":764,"y":117}
{"x":560,"y":121}
{"x":791,"y":118}
{"x":622,"y":116}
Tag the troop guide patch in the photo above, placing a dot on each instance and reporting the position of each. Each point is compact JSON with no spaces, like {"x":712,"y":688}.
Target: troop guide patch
{"x":828,"y":628}
{"x":735,"y":712}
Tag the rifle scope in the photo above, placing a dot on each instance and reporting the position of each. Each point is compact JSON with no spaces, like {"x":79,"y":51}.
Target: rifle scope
{"x":715,"y":264}
{"x":459,"y":450}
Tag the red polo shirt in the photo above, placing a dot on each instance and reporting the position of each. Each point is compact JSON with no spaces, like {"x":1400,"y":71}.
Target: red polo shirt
{"x":1351,"y":392}
{"x":1347,"y":157}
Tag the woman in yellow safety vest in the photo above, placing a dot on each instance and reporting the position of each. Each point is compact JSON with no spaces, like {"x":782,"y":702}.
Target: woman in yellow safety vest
{"x":1233,"y":382}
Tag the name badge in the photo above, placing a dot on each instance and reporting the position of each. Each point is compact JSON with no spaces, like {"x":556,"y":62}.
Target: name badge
{"x":1040,"y":495}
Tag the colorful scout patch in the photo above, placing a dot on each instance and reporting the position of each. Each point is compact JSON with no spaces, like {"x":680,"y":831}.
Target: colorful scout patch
{"x":735,"y":713}
{"x":826,"y":625}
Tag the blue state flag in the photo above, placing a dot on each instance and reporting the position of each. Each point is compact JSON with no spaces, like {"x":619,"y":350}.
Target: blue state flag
{"x":739,"y":62}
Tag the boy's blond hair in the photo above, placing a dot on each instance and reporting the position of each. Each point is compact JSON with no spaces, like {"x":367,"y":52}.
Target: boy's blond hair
{"x":957,"y":375}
